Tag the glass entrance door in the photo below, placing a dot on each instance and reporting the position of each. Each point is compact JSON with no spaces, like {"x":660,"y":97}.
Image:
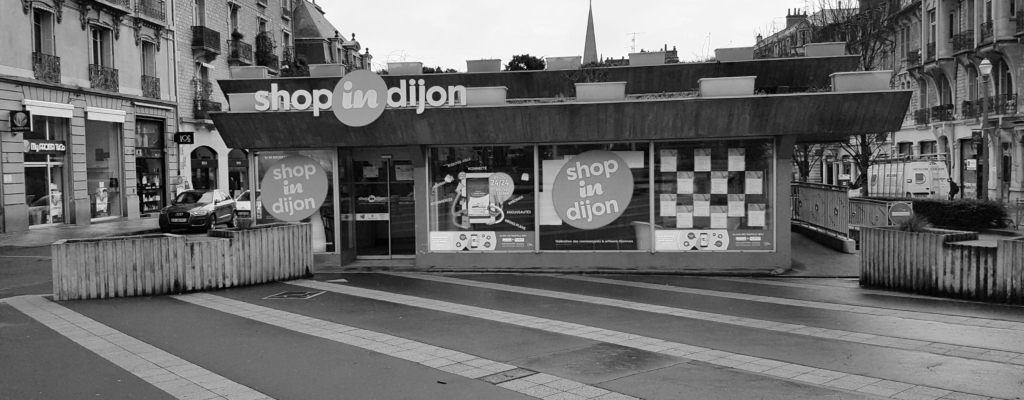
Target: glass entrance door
{"x":385,"y":212}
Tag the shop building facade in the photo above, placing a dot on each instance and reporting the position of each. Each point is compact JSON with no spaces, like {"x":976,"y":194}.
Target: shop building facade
{"x":88,"y":102}
{"x":655,"y":180}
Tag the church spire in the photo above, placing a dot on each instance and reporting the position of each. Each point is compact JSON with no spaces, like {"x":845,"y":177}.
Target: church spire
{"x":590,"y":48}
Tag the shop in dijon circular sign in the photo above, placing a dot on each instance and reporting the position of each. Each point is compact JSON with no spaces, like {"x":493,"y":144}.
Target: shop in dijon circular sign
{"x":294,"y":188}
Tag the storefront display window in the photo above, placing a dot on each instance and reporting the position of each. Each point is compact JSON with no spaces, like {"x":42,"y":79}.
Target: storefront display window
{"x":45,"y":155}
{"x":103,"y":168}
{"x":714,"y":195}
{"x":323,"y":219}
{"x":482,"y":198}
{"x":594,"y":196}
{"x":149,"y":166}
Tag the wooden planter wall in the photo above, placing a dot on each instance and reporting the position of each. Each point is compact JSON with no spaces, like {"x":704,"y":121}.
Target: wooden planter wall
{"x":928,"y":263}
{"x":162,"y":264}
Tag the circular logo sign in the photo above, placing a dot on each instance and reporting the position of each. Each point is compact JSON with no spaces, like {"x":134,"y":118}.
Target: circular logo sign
{"x":360,"y":98}
{"x":294,"y":188}
{"x":20,"y":119}
{"x":592,"y":189}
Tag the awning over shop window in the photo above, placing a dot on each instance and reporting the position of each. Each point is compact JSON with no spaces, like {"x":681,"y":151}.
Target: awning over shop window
{"x":48,"y":109}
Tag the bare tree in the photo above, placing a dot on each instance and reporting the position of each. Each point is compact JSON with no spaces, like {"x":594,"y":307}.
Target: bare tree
{"x":805,"y":157}
{"x":864,"y":149}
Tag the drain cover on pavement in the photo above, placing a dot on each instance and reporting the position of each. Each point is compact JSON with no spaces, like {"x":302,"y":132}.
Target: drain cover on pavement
{"x":294,"y":295}
{"x":506,"y":376}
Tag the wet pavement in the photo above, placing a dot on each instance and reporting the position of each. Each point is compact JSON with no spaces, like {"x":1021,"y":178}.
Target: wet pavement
{"x":419,"y":336}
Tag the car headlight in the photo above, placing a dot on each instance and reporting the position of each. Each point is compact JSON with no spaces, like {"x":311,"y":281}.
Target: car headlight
{"x":200,"y":212}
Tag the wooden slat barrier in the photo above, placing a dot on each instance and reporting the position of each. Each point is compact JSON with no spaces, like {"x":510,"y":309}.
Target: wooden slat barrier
{"x":161,"y":264}
{"x":930,"y":263}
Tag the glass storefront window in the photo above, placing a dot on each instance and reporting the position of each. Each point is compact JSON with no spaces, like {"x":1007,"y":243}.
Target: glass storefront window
{"x":45,"y":154}
{"x":714,"y":195}
{"x":594,"y":196}
{"x":103,"y":168}
{"x":324,"y":219}
{"x":482,"y":198}
{"x":149,"y":162}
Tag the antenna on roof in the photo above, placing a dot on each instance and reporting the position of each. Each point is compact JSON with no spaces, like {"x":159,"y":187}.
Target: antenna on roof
{"x":633,"y":47}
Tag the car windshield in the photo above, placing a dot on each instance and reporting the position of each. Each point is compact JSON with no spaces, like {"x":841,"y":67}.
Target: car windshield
{"x":194,"y":197}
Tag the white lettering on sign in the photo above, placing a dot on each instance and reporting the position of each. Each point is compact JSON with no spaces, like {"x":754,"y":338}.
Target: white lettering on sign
{"x":44,"y":146}
{"x":295,"y":188}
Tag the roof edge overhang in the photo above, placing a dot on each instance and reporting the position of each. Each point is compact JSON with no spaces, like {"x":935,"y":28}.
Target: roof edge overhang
{"x":812,"y":117}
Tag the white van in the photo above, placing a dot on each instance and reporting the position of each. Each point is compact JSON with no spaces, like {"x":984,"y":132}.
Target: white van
{"x":924,"y":175}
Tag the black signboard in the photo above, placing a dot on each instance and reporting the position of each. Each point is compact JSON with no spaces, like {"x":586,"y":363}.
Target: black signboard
{"x":21,"y":121}
{"x":34,"y":146}
{"x":185,"y":138}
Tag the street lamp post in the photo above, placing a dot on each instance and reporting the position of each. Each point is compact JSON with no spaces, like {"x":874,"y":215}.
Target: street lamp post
{"x":985,"y":68}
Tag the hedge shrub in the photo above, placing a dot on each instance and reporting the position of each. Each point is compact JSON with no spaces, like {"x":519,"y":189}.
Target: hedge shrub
{"x":962,"y":214}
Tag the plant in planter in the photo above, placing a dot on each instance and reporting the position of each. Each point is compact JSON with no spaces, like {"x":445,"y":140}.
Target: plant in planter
{"x":236,"y":36}
{"x":243,"y":223}
{"x":916,"y":223}
{"x":586,"y":73}
{"x":264,"y":48}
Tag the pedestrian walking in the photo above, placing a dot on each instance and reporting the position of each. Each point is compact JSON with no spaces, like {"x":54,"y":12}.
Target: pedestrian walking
{"x":953,"y":189}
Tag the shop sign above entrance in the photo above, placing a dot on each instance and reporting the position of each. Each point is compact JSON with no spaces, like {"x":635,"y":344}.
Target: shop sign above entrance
{"x":45,"y":146}
{"x":592,"y":189}
{"x":294,"y":188}
{"x":362,"y":96}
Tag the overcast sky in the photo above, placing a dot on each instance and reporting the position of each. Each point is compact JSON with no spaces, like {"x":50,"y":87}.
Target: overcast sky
{"x":448,"y":32}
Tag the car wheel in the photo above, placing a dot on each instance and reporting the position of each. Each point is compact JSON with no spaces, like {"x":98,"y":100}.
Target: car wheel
{"x":231,"y":222}
{"x":210,"y":222}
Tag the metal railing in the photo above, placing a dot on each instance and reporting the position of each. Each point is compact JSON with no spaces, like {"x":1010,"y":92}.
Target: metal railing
{"x":288,"y":54}
{"x":931,"y":51}
{"x":104,"y":78}
{"x":1004,"y":103}
{"x":126,"y":4}
{"x":921,"y":116}
{"x":971,"y":109}
{"x":914,"y":58}
{"x":203,"y":102}
{"x":240,"y":51}
{"x":964,"y":40}
{"x":823,"y":206}
{"x":206,"y":39}
{"x":150,"y":87}
{"x":151,"y":8}
{"x":942,"y":112}
{"x":271,"y":61}
{"x":286,"y":11}
{"x":46,"y":67}
{"x":986,"y":31}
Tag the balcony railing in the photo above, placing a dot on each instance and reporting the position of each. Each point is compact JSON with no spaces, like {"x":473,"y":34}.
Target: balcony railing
{"x":104,"y":78}
{"x":914,"y":58}
{"x":986,"y":32}
{"x":46,"y":67}
{"x":151,"y":87}
{"x":942,"y":113}
{"x":1005,"y":103}
{"x":1020,"y":22}
{"x":921,"y":116}
{"x":286,"y":11}
{"x":126,"y":4}
{"x":207,"y":39}
{"x":971,"y":109}
{"x":963,"y":41}
{"x":240,"y":52}
{"x":289,"y":54}
{"x":203,"y":102}
{"x":271,"y":61}
{"x":151,"y":8}
{"x":931,"y":51}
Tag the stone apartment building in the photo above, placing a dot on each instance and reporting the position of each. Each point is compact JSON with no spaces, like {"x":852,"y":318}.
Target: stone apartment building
{"x":97,"y":78}
{"x":941,"y":45}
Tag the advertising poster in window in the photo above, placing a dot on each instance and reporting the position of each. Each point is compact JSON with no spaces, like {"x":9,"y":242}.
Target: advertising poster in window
{"x":595,"y":197}
{"x":482,"y":198}
{"x":720,"y":196}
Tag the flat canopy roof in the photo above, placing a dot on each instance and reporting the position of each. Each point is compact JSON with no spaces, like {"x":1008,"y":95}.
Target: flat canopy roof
{"x":813,"y":117}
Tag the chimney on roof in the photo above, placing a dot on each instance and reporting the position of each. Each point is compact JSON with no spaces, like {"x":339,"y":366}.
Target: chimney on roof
{"x":794,"y":16}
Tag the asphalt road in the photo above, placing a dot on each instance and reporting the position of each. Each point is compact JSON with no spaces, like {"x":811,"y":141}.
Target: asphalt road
{"x":466,"y":336}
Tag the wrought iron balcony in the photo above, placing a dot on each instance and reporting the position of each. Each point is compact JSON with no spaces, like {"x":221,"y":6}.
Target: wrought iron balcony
{"x":240,"y":52}
{"x":914,"y":58}
{"x":921,"y":116}
{"x":203,"y":102}
{"x":986,"y":32}
{"x":46,"y":67}
{"x":931,"y":51}
{"x":205,"y":39}
{"x":971,"y":109}
{"x":151,"y":8}
{"x":1020,"y":22}
{"x":963,"y":41}
{"x":126,"y":4}
{"x":105,"y":78}
{"x":151,"y":87}
{"x":288,"y":54}
{"x":271,"y":61}
{"x":286,"y":12}
{"x":942,"y":113}
{"x":1004,"y":104}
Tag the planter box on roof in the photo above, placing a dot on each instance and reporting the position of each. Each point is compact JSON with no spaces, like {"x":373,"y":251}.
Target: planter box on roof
{"x":405,"y":68}
{"x":647,"y":58}
{"x":723,"y":87}
{"x":562,"y":63}
{"x":600,"y":91}
{"x":486,"y":96}
{"x":734,"y":54}
{"x":490,"y":65}
{"x":860,"y":81}
{"x":825,"y":49}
